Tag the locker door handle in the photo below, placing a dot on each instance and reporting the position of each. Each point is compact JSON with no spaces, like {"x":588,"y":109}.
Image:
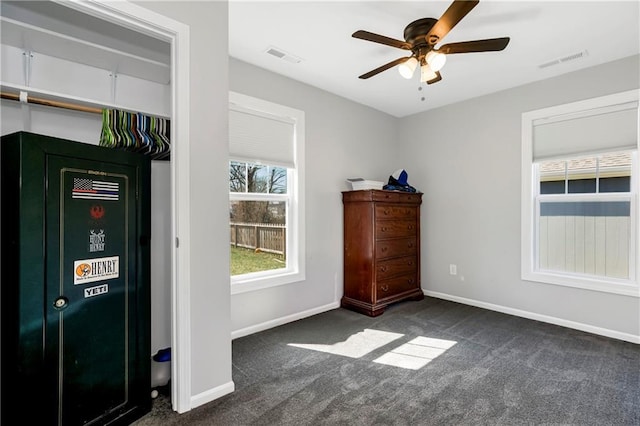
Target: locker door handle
{"x":61,"y":303}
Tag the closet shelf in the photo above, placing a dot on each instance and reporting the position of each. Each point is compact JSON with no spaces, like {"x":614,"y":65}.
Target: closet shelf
{"x":31,"y":38}
{"x":60,"y":97}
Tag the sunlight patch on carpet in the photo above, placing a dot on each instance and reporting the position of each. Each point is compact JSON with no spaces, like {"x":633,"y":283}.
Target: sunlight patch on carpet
{"x":357,"y":345}
{"x":416,"y":354}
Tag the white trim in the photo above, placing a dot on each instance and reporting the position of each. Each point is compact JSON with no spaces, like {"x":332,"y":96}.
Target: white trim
{"x":164,"y":28}
{"x":264,"y":279}
{"x":529,"y":193}
{"x":584,"y":105}
{"x":527,"y":202}
{"x":181,"y":225}
{"x":283,"y":320}
{"x":585,"y":197}
{"x":253,"y":196}
{"x":212,"y":394}
{"x":615,"y":107}
{"x":627,"y":337}
{"x":240,"y":102}
{"x":585,"y":282}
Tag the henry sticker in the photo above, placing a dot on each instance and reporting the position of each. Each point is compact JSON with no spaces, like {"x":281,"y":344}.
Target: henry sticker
{"x":96,"y":240}
{"x":90,"y":270}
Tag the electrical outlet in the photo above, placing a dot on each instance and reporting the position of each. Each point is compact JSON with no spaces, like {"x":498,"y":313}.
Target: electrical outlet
{"x":453,"y":269}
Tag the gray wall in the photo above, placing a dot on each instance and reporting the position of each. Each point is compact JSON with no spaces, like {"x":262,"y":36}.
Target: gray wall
{"x":343,"y":140}
{"x":209,"y":287}
{"x":465,"y":157}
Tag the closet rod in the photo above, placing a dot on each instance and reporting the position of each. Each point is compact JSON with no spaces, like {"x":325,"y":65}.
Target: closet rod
{"x":47,"y":102}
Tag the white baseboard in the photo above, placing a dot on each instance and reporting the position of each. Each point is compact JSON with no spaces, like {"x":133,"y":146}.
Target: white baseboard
{"x":538,"y":317}
{"x":211,"y":394}
{"x":283,"y":320}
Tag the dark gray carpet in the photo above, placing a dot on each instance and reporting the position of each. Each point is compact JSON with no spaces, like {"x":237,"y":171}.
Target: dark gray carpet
{"x":503,"y":370}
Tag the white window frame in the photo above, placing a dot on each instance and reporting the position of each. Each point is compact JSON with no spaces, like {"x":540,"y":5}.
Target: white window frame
{"x":530,"y":205}
{"x":295,"y":244}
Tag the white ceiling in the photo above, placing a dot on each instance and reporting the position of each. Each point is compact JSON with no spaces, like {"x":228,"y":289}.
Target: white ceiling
{"x":319,"y":32}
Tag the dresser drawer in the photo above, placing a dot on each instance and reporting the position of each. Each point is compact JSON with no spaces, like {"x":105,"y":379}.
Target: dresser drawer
{"x":388,"y":211}
{"x":397,"y":196}
{"x":396,"y":247}
{"x":394,"y":267}
{"x":396,"y":228}
{"x":394,"y":286}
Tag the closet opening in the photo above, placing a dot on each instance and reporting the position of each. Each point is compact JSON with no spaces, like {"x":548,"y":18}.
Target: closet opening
{"x":63,"y":64}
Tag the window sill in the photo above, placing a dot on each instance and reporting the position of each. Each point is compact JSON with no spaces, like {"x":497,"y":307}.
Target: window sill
{"x":605,"y":285}
{"x":260,"y":281}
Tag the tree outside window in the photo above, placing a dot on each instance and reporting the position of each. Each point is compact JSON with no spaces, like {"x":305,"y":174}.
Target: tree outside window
{"x":257,"y":179}
{"x":258,"y":217}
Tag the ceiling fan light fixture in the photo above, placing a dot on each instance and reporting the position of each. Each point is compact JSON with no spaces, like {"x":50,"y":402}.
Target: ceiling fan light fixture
{"x":421,"y":37}
{"x":436,"y":60}
{"x":426,"y":73}
{"x":407,"y":68}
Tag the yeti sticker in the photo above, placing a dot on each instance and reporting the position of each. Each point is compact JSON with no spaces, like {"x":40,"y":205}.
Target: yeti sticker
{"x":96,"y":291}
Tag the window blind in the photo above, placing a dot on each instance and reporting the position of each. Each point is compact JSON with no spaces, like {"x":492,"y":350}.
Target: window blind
{"x":261,"y":138}
{"x":611,"y":128}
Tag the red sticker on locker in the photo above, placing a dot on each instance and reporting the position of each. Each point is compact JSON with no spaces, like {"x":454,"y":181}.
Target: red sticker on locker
{"x":97,"y":211}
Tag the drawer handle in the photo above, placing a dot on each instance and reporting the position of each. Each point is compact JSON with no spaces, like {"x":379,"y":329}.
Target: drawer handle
{"x":410,"y":245}
{"x":384,"y":287}
{"x":410,"y":280}
{"x":383,"y":269}
{"x":410,"y":263}
{"x":383,"y":229}
{"x":384,"y":249}
{"x":386,"y":212}
{"x":410,"y":227}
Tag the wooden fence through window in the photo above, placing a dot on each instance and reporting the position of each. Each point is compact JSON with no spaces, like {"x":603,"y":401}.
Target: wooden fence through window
{"x":259,"y":236}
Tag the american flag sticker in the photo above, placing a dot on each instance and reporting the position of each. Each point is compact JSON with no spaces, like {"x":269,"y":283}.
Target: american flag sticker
{"x":90,"y":189}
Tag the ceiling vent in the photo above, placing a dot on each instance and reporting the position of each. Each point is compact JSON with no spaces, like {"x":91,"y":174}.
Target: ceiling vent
{"x":281,"y":54}
{"x":568,"y":58}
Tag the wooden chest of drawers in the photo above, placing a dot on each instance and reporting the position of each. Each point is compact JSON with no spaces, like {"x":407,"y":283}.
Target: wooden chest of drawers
{"x":381,"y":249}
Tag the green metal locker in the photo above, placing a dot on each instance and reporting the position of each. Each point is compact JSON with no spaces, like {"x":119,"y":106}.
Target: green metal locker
{"x":75,"y":290}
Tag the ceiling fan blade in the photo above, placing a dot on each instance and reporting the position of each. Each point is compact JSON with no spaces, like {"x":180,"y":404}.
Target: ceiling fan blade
{"x":384,"y":67}
{"x":436,"y":79}
{"x":377,"y":38}
{"x":449,"y":19}
{"x":488,"y":45}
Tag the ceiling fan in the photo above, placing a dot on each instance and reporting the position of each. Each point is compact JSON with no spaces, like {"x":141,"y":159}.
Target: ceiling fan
{"x":421,"y":37}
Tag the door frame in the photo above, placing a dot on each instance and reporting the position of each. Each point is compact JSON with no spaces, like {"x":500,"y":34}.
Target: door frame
{"x":153,"y":24}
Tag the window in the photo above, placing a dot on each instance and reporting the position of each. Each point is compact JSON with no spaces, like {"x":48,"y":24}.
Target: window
{"x":579,"y":194}
{"x":583,"y":215}
{"x":258,"y":213}
{"x":266,"y":208}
